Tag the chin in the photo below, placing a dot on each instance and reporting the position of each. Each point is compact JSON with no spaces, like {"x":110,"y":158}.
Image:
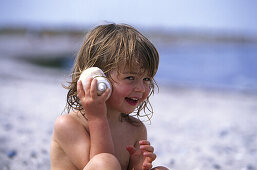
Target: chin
{"x":127,"y":112}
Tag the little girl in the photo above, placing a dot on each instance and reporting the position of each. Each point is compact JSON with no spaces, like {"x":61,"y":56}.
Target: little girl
{"x":102,"y":134}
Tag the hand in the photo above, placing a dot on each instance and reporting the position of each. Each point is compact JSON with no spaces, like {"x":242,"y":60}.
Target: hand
{"x":94,"y":105}
{"x":142,"y":158}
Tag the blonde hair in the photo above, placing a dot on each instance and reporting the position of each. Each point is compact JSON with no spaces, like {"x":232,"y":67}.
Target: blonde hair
{"x":106,"y":47}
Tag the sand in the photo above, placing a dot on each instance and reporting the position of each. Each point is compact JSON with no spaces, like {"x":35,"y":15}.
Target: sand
{"x":196,"y":129}
{"x":192,"y":129}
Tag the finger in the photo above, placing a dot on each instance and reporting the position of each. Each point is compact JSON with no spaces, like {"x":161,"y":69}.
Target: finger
{"x":106,"y":93}
{"x":144,"y":142}
{"x":131,"y":149}
{"x":80,"y":91}
{"x":93,"y":88}
{"x":88,"y":85}
{"x":147,"y":148}
{"x":150,"y":155}
{"x":147,"y":166}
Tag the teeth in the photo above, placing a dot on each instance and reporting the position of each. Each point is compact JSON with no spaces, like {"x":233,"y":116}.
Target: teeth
{"x":134,"y":98}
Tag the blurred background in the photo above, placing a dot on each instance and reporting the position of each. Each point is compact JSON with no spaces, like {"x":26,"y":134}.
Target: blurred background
{"x":208,"y":50}
{"x":202,"y":43}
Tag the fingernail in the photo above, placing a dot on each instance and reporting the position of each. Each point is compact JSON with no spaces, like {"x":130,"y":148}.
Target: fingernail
{"x":141,"y":147}
{"x":145,"y":154}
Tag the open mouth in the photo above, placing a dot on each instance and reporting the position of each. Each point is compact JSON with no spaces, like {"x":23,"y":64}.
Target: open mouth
{"x":132,"y":101}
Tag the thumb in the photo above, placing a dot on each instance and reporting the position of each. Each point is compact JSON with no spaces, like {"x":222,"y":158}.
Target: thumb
{"x":131,"y":149}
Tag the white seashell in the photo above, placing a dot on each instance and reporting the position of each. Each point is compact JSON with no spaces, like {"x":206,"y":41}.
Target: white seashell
{"x":102,"y":82}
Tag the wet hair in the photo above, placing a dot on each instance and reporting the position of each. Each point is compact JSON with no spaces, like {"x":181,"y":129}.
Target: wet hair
{"x":108,"y":47}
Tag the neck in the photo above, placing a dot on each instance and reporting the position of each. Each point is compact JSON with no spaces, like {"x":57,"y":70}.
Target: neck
{"x":113,"y":116}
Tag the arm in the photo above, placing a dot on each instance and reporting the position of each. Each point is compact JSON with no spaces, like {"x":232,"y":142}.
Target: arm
{"x":96,"y":112}
{"x":71,"y":140}
{"x":100,"y":137}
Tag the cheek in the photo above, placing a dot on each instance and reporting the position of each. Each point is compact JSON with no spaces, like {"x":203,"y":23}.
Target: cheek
{"x":117,"y":97}
{"x":147,"y":92}
{"x":119,"y":91}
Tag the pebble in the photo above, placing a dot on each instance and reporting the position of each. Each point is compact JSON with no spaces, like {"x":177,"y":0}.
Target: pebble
{"x":11,"y":154}
{"x":44,"y":151}
{"x":216,"y":166}
{"x":25,"y":163}
{"x":8,"y":127}
{"x":172,"y":162}
{"x":250,"y":167}
{"x":33,"y":154}
{"x":223,"y":133}
{"x":3,"y":140}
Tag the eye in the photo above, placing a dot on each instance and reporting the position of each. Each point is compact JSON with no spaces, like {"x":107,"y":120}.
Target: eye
{"x":147,"y":79}
{"x":130,"y":78}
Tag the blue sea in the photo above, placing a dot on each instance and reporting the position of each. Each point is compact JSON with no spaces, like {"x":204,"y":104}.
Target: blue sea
{"x":217,"y":66}
{"x":222,"y":66}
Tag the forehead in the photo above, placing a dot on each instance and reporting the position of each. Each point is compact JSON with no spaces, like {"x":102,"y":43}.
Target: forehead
{"x":135,"y":68}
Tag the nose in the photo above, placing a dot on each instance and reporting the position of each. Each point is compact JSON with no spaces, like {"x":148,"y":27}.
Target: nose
{"x":140,"y":86}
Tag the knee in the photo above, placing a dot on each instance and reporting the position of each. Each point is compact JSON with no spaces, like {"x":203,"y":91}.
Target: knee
{"x":160,"y":168}
{"x":104,"y":161}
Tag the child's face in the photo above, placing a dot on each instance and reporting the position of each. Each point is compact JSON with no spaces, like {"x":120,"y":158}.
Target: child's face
{"x":130,"y":89}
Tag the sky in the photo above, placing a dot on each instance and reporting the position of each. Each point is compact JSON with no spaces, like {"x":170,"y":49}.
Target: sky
{"x":229,"y":15}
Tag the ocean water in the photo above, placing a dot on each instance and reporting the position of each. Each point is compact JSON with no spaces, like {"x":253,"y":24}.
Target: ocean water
{"x":217,"y":65}
{"x":221,"y":66}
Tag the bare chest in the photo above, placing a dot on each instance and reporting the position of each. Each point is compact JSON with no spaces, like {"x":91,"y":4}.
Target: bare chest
{"x":121,"y":140}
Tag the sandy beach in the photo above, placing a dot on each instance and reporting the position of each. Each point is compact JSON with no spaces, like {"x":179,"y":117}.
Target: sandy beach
{"x":192,"y":129}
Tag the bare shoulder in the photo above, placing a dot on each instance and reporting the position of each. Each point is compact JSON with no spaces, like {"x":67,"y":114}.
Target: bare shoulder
{"x":69,"y":142}
{"x":67,"y":126}
{"x":64,"y":123}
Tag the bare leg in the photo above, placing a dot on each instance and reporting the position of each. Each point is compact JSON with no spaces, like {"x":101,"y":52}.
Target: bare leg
{"x":160,"y":168}
{"x":104,"y":161}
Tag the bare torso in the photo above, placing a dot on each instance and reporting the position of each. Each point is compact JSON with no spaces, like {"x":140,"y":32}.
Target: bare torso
{"x":123,"y":134}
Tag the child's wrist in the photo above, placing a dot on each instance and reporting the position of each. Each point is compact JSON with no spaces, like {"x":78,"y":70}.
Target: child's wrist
{"x":96,"y":117}
{"x":98,"y":125}
{"x":97,"y":120}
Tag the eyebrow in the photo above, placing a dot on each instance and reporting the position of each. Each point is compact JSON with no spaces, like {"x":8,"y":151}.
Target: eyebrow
{"x":134,"y":73}
{"x":129,"y":72}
